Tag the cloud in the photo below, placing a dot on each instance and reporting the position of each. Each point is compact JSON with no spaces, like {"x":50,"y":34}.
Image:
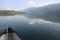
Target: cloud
{"x":40,"y":4}
{"x":42,"y":21}
{"x":33,"y":21}
{"x":32,"y":3}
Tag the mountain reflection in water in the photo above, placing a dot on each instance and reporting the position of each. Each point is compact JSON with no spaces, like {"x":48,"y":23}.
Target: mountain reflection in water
{"x":31,"y":28}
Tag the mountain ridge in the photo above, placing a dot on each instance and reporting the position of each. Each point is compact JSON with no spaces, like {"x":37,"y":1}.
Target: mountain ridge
{"x":50,"y":12}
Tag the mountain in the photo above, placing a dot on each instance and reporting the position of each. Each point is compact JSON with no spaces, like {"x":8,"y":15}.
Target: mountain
{"x":50,"y":12}
{"x":29,"y":9}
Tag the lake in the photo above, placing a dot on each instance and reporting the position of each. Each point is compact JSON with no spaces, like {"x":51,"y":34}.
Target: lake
{"x":31,"y":28}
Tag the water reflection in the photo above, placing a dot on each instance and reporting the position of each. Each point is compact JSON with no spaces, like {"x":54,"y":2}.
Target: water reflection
{"x":32,"y":28}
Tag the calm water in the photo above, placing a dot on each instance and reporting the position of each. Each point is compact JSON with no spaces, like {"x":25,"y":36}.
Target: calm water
{"x":31,"y":28}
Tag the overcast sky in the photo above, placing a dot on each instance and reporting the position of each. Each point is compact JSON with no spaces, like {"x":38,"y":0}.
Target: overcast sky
{"x":23,"y":4}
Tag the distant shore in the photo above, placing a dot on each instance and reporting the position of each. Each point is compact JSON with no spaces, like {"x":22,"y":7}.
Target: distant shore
{"x":10,"y":13}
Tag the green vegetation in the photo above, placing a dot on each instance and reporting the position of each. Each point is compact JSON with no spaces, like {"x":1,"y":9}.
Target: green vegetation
{"x":10,"y":12}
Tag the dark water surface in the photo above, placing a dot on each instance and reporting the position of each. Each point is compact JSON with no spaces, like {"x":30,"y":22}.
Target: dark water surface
{"x":31,"y":28}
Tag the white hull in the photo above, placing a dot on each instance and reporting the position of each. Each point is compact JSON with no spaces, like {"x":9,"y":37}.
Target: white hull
{"x":10,"y":36}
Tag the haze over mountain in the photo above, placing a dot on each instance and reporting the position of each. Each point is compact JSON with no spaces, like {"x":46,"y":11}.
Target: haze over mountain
{"x":29,"y":9}
{"x":50,"y":12}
